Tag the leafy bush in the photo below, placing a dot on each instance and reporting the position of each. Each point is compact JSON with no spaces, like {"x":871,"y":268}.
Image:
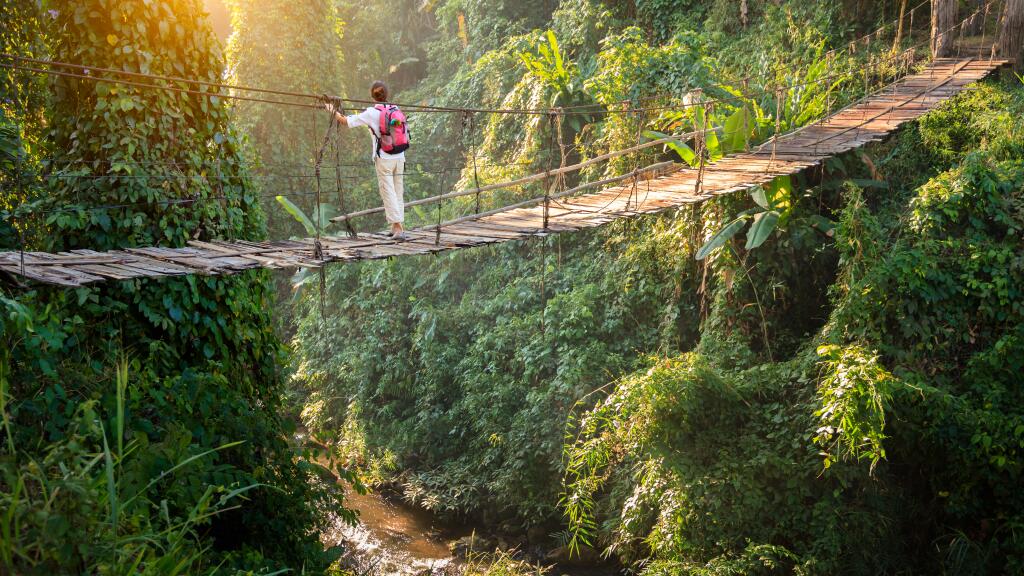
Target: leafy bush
{"x":709,"y":465}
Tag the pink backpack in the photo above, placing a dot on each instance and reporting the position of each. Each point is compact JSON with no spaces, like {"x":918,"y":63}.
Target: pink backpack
{"x":394,"y":133}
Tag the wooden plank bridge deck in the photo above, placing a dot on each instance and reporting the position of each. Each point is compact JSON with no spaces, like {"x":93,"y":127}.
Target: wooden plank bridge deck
{"x":868,"y":121}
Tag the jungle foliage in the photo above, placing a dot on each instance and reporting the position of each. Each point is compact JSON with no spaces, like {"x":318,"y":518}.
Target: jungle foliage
{"x":291,"y":47}
{"x":142,"y":419}
{"x":830,"y":388}
{"x":765,"y":410}
{"x":893,"y":429}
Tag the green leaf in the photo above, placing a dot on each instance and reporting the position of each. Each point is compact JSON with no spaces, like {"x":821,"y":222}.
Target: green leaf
{"x":736,"y":129}
{"x":712,"y":144}
{"x":677,"y":146}
{"x":763,"y":226}
{"x":108,"y":465}
{"x":780,"y":192}
{"x":298,"y":214}
{"x":823,"y":225}
{"x":721,"y":237}
{"x":559,"y":65}
{"x":760,"y":197}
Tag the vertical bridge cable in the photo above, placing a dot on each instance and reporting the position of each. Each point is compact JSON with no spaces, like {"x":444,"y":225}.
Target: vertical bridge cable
{"x":560,"y":178}
{"x":437,"y":229}
{"x":21,"y":198}
{"x":869,"y":64}
{"x":475,"y":150}
{"x":464,"y":134}
{"x":829,"y":56}
{"x":336,"y":143}
{"x":1000,"y":12}
{"x":746,"y":115}
{"x":547,"y":173}
{"x":443,"y":181}
{"x":318,"y":248}
{"x":634,"y":193}
{"x":702,"y":149}
{"x":960,"y":34}
{"x":19,"y":177}
{"x":778,"y":125}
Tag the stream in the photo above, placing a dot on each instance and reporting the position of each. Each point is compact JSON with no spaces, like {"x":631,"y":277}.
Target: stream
{"x":396,"y":539}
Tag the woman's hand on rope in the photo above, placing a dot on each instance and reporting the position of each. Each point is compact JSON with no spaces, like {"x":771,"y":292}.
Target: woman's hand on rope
{"x":333,"y":109}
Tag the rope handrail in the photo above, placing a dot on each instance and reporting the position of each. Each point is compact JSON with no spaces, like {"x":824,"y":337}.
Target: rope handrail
{"x":660,"y":167}
{"x":228,"y":256}
{"x":894,"y":55}
{"x":524,"y":179}
{"x":979,"y":10}
{"x":317,"y":98}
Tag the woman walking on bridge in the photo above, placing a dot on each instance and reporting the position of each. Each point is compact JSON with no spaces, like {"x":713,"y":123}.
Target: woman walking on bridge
{"x":390,"y":133}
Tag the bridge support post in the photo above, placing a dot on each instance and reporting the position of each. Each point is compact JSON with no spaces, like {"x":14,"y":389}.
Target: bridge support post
{"x":1011,"y":35}
{"x":944,"y":21}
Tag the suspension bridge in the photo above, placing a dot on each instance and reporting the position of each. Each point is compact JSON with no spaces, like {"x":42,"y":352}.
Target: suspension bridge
{"x":647,"y":190}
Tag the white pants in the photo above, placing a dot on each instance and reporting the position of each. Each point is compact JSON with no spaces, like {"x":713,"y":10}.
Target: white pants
{"x":391,"y":181}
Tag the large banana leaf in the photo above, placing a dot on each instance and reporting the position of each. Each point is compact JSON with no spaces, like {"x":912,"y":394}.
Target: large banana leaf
{"x":760,"y":197}
{"x":780,"y":192}
{"x":703,"y":124}
{"x":298,"y":214}
{"x":553,"y":42}
{"x":763,"y":226}
{"x":685,"y":152}
{"x":722,"y":236}
{"x":737,"y":129}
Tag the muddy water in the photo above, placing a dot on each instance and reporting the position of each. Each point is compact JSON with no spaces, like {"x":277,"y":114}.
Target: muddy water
{"x":395,"y":538}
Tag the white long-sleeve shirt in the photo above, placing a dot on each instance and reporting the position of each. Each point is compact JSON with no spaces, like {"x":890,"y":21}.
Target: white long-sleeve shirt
{"x":371,"y":119}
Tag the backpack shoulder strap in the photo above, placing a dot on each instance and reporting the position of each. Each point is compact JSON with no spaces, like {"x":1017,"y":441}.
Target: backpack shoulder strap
{"x":382,"y":108}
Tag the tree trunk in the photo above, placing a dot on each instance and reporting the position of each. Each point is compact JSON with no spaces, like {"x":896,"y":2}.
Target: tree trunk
{"x":1011,"y":37}
{"x":899,"y":27}
{"x":944,"y":29}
